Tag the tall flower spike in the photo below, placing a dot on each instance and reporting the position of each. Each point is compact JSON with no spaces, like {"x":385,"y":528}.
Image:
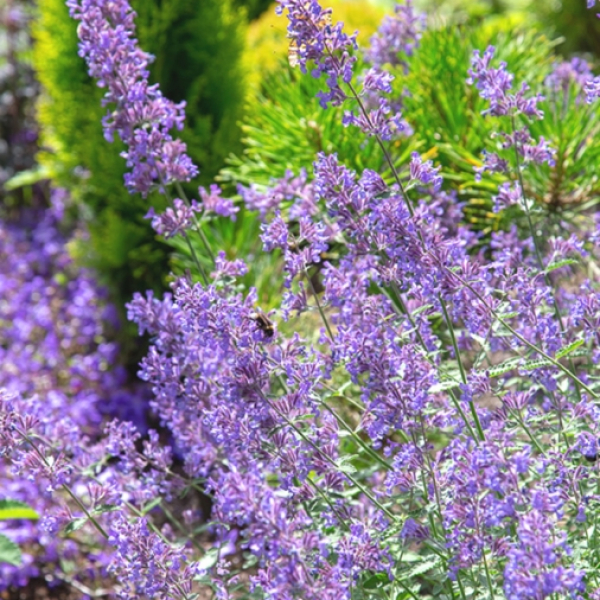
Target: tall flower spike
{"x":397,"y":37}
{"x":577,"y":71}
{"x":142,"y":116}
{"x":315,"y":40}
{"x":494,"y":85}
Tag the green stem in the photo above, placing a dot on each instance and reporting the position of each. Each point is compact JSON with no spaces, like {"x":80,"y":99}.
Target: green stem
{"x":463,"y":374}
{"x":487,"y":575}
{"x":455,"y":400}
{"x":323,"y":495}
{"x":196,"y":259}
{"x":538,"y":252}
{"x":355,"y":436}
{"x":197,"y":223}
{"x":320,"y":308}
{"x":358,"y":485}
{"x":65,"y":486}
{"x":408,"y":590}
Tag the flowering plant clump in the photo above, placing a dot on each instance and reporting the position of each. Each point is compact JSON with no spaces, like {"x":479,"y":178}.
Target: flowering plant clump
{"x":419,"y":415}
{"x":55,"y":352}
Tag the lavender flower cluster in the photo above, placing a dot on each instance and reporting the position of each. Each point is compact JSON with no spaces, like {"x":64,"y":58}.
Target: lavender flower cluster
{"x":54,"y":351}
{"x":438,"y":437}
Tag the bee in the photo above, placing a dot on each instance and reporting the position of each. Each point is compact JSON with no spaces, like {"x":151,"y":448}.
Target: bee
{"x":293,"y":57}
{"x":324,"y":22}
{"x":263,"y":323}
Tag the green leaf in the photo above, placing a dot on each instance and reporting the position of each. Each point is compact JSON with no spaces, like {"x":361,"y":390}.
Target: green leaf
{"x":422,"y":567}
{"x":503,"y":367}
{"x":76,"y":524}
{"x":27,"y":178}
{"x":393,"y":530}
{"x":508,"y":315}
{"x":442,"y":386}
{"x":151,"y":505}
{"x":209,"y":560}
{"x":531,"y":365}
{"x":13,"y":509}
{"x":345,"y":466}
{"x":104,"y":508}
{"x":10,"y":553}
{"x":560,"y":263}
{"x":568,"y":349}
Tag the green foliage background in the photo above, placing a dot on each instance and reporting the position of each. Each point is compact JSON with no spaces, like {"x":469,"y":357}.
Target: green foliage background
{"x":446,"y":114}
{"x":253,"y":8}
{"x":570,"y":20}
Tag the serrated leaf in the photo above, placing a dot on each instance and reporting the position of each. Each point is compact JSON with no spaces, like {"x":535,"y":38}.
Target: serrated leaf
{"x":568,"y":349}
{"x":503,"y":367}
{"x":104,"y":508}
{"x":14,"y":509}
{"x":209,"y":560}
{"x":10,"y":553}
{"x":76,"y":524}
{"x":560,"y":263}
{"x":393,"y":530}
{"x":508,"y":315}
{"x":531,"y":365}
{"x":346,"y":467}
{"x":442,"y":386}
{"x":422,"y":567}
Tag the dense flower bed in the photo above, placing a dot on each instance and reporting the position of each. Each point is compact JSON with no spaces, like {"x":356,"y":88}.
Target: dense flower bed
{"x":419,"y":415}
{"x":55,"y":325}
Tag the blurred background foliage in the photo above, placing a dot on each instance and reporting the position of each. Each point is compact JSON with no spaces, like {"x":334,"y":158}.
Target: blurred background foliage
{"x":253,"y":8}
{"x":567,"y":19}
{"x":18,"y":91}
{"x":446,"y":115}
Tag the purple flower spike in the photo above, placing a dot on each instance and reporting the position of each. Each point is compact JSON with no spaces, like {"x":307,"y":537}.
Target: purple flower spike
{"x":576,"y":70}
{"x":592,"y":89}
{"x":534,"y":568}
{"x":174,"y":220}
{"x":425,"y":172}
{"x":494,"y":85}
{"x":315,"y":40}
{"x":398,"y":35}
{"x":212,"y":202}
{"x":141,"y":116}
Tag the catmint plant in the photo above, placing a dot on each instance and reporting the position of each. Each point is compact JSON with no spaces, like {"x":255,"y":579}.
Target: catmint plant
{"x":61,"y":370}
{"x":436,"y":437}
